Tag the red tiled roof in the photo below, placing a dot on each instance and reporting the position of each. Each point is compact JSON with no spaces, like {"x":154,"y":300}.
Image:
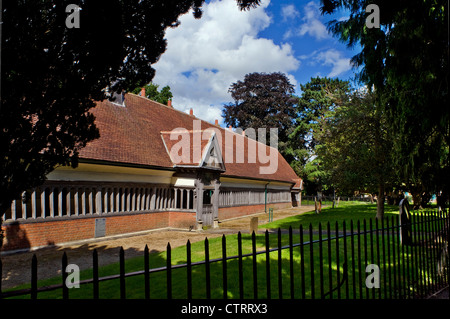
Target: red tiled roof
{"x":193,"y":160}
{"x":135,"y":134}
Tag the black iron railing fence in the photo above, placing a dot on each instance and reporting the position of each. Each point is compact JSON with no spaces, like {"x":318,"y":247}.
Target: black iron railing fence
{"x":357,"y":260}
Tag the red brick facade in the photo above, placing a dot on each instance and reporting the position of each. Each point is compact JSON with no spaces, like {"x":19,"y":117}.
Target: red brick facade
{"x":24,"y":235}
{"x":39,"y":233}
{"x":232,"y":212}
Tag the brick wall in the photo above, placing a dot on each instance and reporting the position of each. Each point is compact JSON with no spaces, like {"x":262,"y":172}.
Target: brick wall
{"x":37,"y":233}
{"x":231,"y":212}
{"x":23,"y":235}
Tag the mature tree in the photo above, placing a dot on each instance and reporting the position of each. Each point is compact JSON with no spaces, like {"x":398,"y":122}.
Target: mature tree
{"x":51,"y":74}
{"x":319,"y":97}
{"x":262,"y":100}
{"x":407,"y":61}
{"x":152,"y":93}
{"x":356,"y":149}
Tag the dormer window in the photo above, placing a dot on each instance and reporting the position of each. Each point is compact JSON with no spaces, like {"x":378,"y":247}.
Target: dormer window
{"x":118,"y":98}
{"x":213,"y":159}
{"x":115,"y":97}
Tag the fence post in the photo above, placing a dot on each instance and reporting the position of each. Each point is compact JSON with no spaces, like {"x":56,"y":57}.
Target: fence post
{"x":291,"y":261}
{"x":255,"y":269}
{"x":302,"y":263}
{"x":365,"y":252}
{"x":320,"y":261}
{"x":337,"y":260}
{"x":436,"y":245}
{"x":1,"y":275}
{"x":372,"y":256}
{"x":147,"y":272}
{"x":65,"y":290}
{"x":358,"y":249}
{"x":344,"y":230}
{"x":389,"y":259}
{"x":280,"y":274}
{"x":240,"y":270}
{"x":34,"y":277}
{"x":377,"y":235}
{"x":224,"y":267}
{"x":447,"y":231}
{"x":311,"y":261}
{"x":122,"y":273}
{"x":189,"y":269}
{"x":95,"y":274}
{"x":207,"y":270}
{"x":169,"y":271}
{"x":330,"y":273}
{"x":352,"y":243}
{"x":267,"y":264}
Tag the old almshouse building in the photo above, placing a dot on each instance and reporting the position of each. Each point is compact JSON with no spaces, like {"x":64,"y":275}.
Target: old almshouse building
{"x":152,"y":167}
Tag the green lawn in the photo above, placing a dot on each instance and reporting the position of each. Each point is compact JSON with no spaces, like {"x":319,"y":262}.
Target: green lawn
{"x":355,"y":250}
{"x":346,"y":211}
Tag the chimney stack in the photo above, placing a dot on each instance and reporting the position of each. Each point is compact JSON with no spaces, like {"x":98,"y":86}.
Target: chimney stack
{"x":143,"y":92}
{"x":191,"y":112}
{"x":216,"y":122}
{"x":169,"y":103}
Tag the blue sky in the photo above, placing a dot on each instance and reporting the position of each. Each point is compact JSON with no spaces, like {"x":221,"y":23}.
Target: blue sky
{"x":204,"y":57}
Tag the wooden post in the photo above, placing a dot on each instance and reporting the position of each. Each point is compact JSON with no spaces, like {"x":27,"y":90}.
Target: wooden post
{"x":33,"y":203}
{"x":254,"y":225}
{"x":133,"y":199}
{"x":112,"y":200}
{"x":60,"y":201}
{"x":24,"y":205}
{"x":43,"y":202}
{"x":83,"y":201}
{"x":13,"y":209}
{"x":98,"y":200}
{"x":76,"y":202}
{"x":68,"y":201}
{"x":91,"y":201}
{"x":52,"y":202}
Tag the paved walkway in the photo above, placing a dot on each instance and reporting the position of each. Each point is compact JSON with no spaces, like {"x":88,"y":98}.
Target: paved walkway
{"x":16,"y":267}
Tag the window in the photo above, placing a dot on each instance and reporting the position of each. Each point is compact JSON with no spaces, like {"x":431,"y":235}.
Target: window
{"x":118,"y":98}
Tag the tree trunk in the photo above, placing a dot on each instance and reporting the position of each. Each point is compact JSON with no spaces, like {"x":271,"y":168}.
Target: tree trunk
{"x":380,"y":202}
{"x":417,"y":200}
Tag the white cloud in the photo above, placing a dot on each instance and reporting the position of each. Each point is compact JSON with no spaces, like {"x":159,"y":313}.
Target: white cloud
{"x":334,"y":58}
{"x":204,"y":57}
{"x":311,"y":24}
{"x":289,"y":12}
{"x":330,"y":58}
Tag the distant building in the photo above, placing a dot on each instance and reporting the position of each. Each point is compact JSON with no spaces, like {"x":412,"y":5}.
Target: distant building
{"x":139,"y":176}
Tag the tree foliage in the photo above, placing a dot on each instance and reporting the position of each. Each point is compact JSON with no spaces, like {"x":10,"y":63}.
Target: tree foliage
{"x":262,"y":100}
{"x":51,"y":75}
{"x":316,"y":103}
{"x":356,"y":149}
{"x":407,"y":61}
{"x":152,"y":93}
